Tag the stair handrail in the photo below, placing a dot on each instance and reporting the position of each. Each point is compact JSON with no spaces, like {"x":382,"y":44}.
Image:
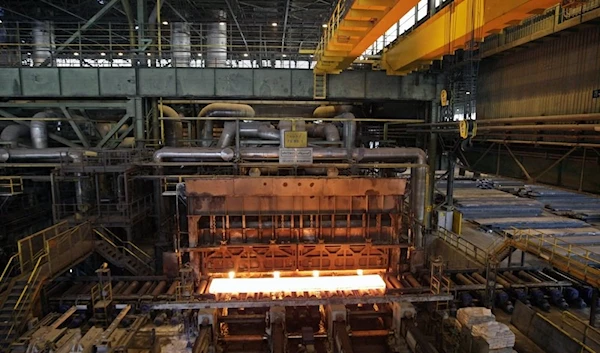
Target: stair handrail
{"x":8,"y":268}
{"x":461,"y":244}
{"x":26,"y":293}
{"x":124,"y":248}
{"x":126,"y":242}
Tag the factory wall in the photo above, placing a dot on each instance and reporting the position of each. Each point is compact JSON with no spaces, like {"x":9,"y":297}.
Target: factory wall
{"x":552,"y":77}
{"x":566,"y":174}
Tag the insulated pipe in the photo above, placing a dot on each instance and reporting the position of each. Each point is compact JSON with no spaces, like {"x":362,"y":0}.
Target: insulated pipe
{"x":39,"y":131}
{"x":329,"y":111}
{"x":327,"y":131}
{"x":223,"y":110}
{"x":43,"y":42}
{"x":12,"y":133}
{"x":252,"y":129}
{"x":349,"y":131}
{"x":59,"y":153}
{"x":216,"y":40}
{"x":225,"y":154}
{"x":173,"y":128}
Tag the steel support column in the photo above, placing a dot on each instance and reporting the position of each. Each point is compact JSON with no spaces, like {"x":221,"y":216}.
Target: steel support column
{"x":518,"y":163}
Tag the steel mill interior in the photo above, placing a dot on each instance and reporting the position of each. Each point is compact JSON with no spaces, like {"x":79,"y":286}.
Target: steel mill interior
{"x":302,"y":176}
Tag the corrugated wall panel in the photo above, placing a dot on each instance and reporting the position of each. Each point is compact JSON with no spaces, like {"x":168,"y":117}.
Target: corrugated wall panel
{"x":549,"y":78}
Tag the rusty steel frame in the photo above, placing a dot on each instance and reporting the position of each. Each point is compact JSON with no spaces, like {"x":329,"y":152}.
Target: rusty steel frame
{"x":292,"y":257}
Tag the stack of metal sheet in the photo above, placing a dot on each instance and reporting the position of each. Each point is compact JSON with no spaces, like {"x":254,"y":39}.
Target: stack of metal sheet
{"x":567,"y":203}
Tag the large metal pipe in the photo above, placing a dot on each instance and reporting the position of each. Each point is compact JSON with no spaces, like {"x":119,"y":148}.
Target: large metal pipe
{"x":229,"y":110}
{"x":181,"y":44}
{"x":39,"y":131}
{"x":43,"y":42}
{"x":330,"y":111}
{"x":54,"y":154}
{"x":208,"y":154}
{"x":216,"y":40}
{"x":328,"y":131}
{"x":173,"y":128}
{"x":349,"y":131}
{"x":10,"y":135}
{"x":264,"y":131}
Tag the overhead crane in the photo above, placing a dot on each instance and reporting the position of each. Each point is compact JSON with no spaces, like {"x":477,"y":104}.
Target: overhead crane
{"x":454,"y":27}
{"x":353,"y":27}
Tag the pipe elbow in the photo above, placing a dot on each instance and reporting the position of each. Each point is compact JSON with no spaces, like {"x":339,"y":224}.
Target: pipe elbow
{"x":332,"y":134}
{"x":4,"y":155}
{"x":267,"y":132}
{"x":39,"y":131}
{"x":329,"y":111}
{"x":228,"y":110}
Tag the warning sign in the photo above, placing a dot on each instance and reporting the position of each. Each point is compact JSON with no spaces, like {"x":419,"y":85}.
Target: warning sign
{"x":295,"y":139}
{"x":296,"y":156}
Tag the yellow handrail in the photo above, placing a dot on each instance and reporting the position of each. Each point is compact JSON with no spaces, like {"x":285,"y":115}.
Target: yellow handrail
{"x":8,"y":267}
{"x":567,"y":315}
{"x":144,"y":254}
{"x":25,"y":294}
{"x":105,"y":238}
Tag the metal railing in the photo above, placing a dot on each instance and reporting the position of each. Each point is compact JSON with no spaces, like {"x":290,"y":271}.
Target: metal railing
{"x":125,"y":247}
{"x":11,"y":185}
{"x":553,"y":20}
{"x":334,"y":22}
{"x":67,"y":248}
{"x":464,"y":246}
{"x":589,"y":335}
{"x":34,"y":246}
{"x":580,"y":262}
{"x":9,"y":269}
{"x":121,"y":212}
{"x":32,"y":287}
{"x":109,"y":45}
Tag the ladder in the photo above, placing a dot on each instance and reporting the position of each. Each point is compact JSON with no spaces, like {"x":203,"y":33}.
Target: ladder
{"x":319,"y":85}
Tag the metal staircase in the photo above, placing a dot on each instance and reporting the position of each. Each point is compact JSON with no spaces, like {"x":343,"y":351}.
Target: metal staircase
{"x":579,"y":262}
{"x":123,"y":254}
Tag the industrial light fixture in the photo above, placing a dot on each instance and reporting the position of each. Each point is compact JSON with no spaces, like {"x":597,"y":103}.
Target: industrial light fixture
{"x":222,"y":23}
{"x":165,"y":23}
{"x":148,"y":54}
{"x":324,"y":25}
{"x":0,"y":21}
{"x":76,"y":53}
{"x":231,"y":274}
{"x":199,"y":54}
{"x":102,"y":54}
{"x":137,"y":27}
{"x":245,"y":55}
{"x":284,"y":55}
{"x":120,"y":54}
{"x":274,"y":24}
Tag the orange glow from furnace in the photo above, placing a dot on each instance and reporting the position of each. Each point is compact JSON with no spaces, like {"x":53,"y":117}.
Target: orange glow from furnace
{"x":296,"y":284}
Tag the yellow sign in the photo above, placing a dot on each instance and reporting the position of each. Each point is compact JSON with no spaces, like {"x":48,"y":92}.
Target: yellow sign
{"x":295,"y":139}
{"x":444,"y":98}
{"x":462,"y":126}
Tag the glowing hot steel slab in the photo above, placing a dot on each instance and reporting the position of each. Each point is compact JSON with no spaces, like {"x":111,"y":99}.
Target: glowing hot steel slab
{"x":295,"y":284}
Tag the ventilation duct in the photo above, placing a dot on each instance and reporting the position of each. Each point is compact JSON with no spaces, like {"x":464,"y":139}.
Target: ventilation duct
{"x":39,"y":131}
{"x":46,"y":154}
{"x":173,"y":128}
{"x":43,"y":42}
{"x":181,"y":44}
{"x":12,"y":133}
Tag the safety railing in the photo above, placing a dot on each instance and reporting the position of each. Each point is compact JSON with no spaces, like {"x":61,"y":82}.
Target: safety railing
{"x":32,"y":287}
{"x":589,"y":335}
{"x":334,"y":22}
{"x":464,"y":246}
{"x":34,"y":246}
{"x":553,"y":20}
{"x":121,"y":212}
{"x":11,"y":185}
{"x":69,"y":247}
{"x":9,"y":271}
{"x":580,"y":262}
{"x":125,"y":247}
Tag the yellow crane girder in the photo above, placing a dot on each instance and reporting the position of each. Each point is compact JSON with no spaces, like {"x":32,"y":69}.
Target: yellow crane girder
{"x":353,"y":27}
{"x":453,"y":27}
